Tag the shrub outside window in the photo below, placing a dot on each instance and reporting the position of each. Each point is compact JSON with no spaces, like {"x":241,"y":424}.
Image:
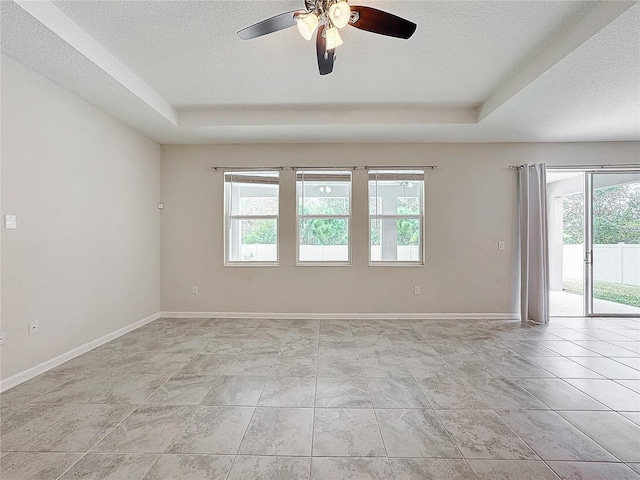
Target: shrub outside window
{"x":324,"y":217}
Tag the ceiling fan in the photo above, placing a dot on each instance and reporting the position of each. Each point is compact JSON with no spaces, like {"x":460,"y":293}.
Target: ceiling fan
{"x":327,"y":16}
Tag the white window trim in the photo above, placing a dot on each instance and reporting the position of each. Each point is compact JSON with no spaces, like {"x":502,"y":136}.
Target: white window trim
{"x":373,"y":216}
{"x":227,"y":229}
{"x":306,"y":263}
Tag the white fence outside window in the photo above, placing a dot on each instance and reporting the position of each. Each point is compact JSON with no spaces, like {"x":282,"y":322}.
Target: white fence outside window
{"x":617,"y":263}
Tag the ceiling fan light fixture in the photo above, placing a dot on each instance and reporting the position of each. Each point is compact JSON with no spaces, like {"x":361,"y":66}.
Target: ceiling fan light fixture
{"x":333,"y":38}
{"x":339,"y":13}
{"x":325,"y":18}
{"x":307,"y":24}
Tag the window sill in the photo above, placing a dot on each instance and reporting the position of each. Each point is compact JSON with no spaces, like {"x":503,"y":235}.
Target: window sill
{"x":396,"y":264}
{"x":323,"y":264}
{"x":251,"y":264}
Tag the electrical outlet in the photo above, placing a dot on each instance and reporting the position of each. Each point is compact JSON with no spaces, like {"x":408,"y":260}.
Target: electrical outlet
{"x":3,"y":338}
{"x":33,"y":327}
{"x":500,"y":245}
{"x":416,"y":290}
{"x":194,"y":289}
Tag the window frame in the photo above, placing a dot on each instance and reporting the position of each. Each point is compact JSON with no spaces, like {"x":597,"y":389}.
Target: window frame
{"x":229,"y":218}
{"x":399,"y":172}
{"x":327,"y":172}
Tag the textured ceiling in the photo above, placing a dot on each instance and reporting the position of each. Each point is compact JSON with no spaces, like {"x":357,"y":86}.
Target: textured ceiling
{"x":473,"y":71}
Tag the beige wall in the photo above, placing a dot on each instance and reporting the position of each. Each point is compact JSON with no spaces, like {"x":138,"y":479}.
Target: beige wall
{"x":85,"y":258}
{"x":470,"y":206}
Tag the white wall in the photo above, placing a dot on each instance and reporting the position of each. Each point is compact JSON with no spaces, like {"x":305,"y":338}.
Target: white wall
{"x":85,"y":258}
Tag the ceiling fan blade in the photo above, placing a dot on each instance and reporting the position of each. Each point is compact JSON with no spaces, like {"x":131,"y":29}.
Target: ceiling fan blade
{"x":270,"y":25}
{"x":383,"y":23}
{"x":325,"y":57}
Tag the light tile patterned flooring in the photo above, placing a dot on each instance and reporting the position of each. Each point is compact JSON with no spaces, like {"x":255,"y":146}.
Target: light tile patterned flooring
{"x":364,"y":400}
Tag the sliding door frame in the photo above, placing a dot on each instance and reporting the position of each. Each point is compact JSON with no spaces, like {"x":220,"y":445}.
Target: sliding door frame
{"x":587,"y":254}
{"x":588,"y":171}
{"x":588,"y":237}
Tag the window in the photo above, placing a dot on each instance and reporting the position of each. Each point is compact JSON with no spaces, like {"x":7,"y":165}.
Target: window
{"x":251,"y":217}
{"x":324,"y":213}
{"x":396,"y":218}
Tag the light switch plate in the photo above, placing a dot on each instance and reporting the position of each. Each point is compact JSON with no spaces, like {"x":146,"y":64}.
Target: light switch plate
{"x":10,"y":221}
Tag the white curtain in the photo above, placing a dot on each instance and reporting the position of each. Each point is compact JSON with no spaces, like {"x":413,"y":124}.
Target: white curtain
{"x":534,"y":249}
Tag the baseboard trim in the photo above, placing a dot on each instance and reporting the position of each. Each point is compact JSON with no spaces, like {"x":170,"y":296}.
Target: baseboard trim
{"x":346,"y":316}
{"x":28,"y":374}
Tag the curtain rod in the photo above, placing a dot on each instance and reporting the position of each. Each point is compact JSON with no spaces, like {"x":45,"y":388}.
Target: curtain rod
{"x":404,"y":167}
{"x":283,"y":167}
{"x":292,"y":167}
{"x":585,"y":167}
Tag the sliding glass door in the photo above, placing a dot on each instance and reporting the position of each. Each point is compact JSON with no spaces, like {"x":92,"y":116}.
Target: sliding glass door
{"x":565,"y":209}
{"x":612,"y":253}
{"x":594,"y":242}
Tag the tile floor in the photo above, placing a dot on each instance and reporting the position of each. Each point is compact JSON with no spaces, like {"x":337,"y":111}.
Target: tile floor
{"x":329,"y":400}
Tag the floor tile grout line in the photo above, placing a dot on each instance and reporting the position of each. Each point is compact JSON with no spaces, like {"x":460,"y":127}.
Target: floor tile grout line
{"x":157,"y":389}
{"x":87,"y":452}
{"x":572,"y":386}
{"x":72,"y":465}
{"x":233,"y":462}
{"x":146,"y":472}
{"x":137,"y":406}
{"x":516,"y":433}
{"x":566,"y":358}
{"x":604,"y":379}
{"x":384,"y":445}
{"x":625,"y":386}
{"x":603,"y":341}
{"x":546,"y":462}
{"x":245,"y":431}
{"x":451,"y":439}
{"x":386,"y":451}
{"x":491,"y":408}
{"x":608,"y":358}
{"x":315,"y":399}
{"x":592,"y":438}
{"x":564,"y":379}
{"x":574,"y":426}
{"x":40,"y":431}
{"x":181,"y":427}
{"x":41,"y":393}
